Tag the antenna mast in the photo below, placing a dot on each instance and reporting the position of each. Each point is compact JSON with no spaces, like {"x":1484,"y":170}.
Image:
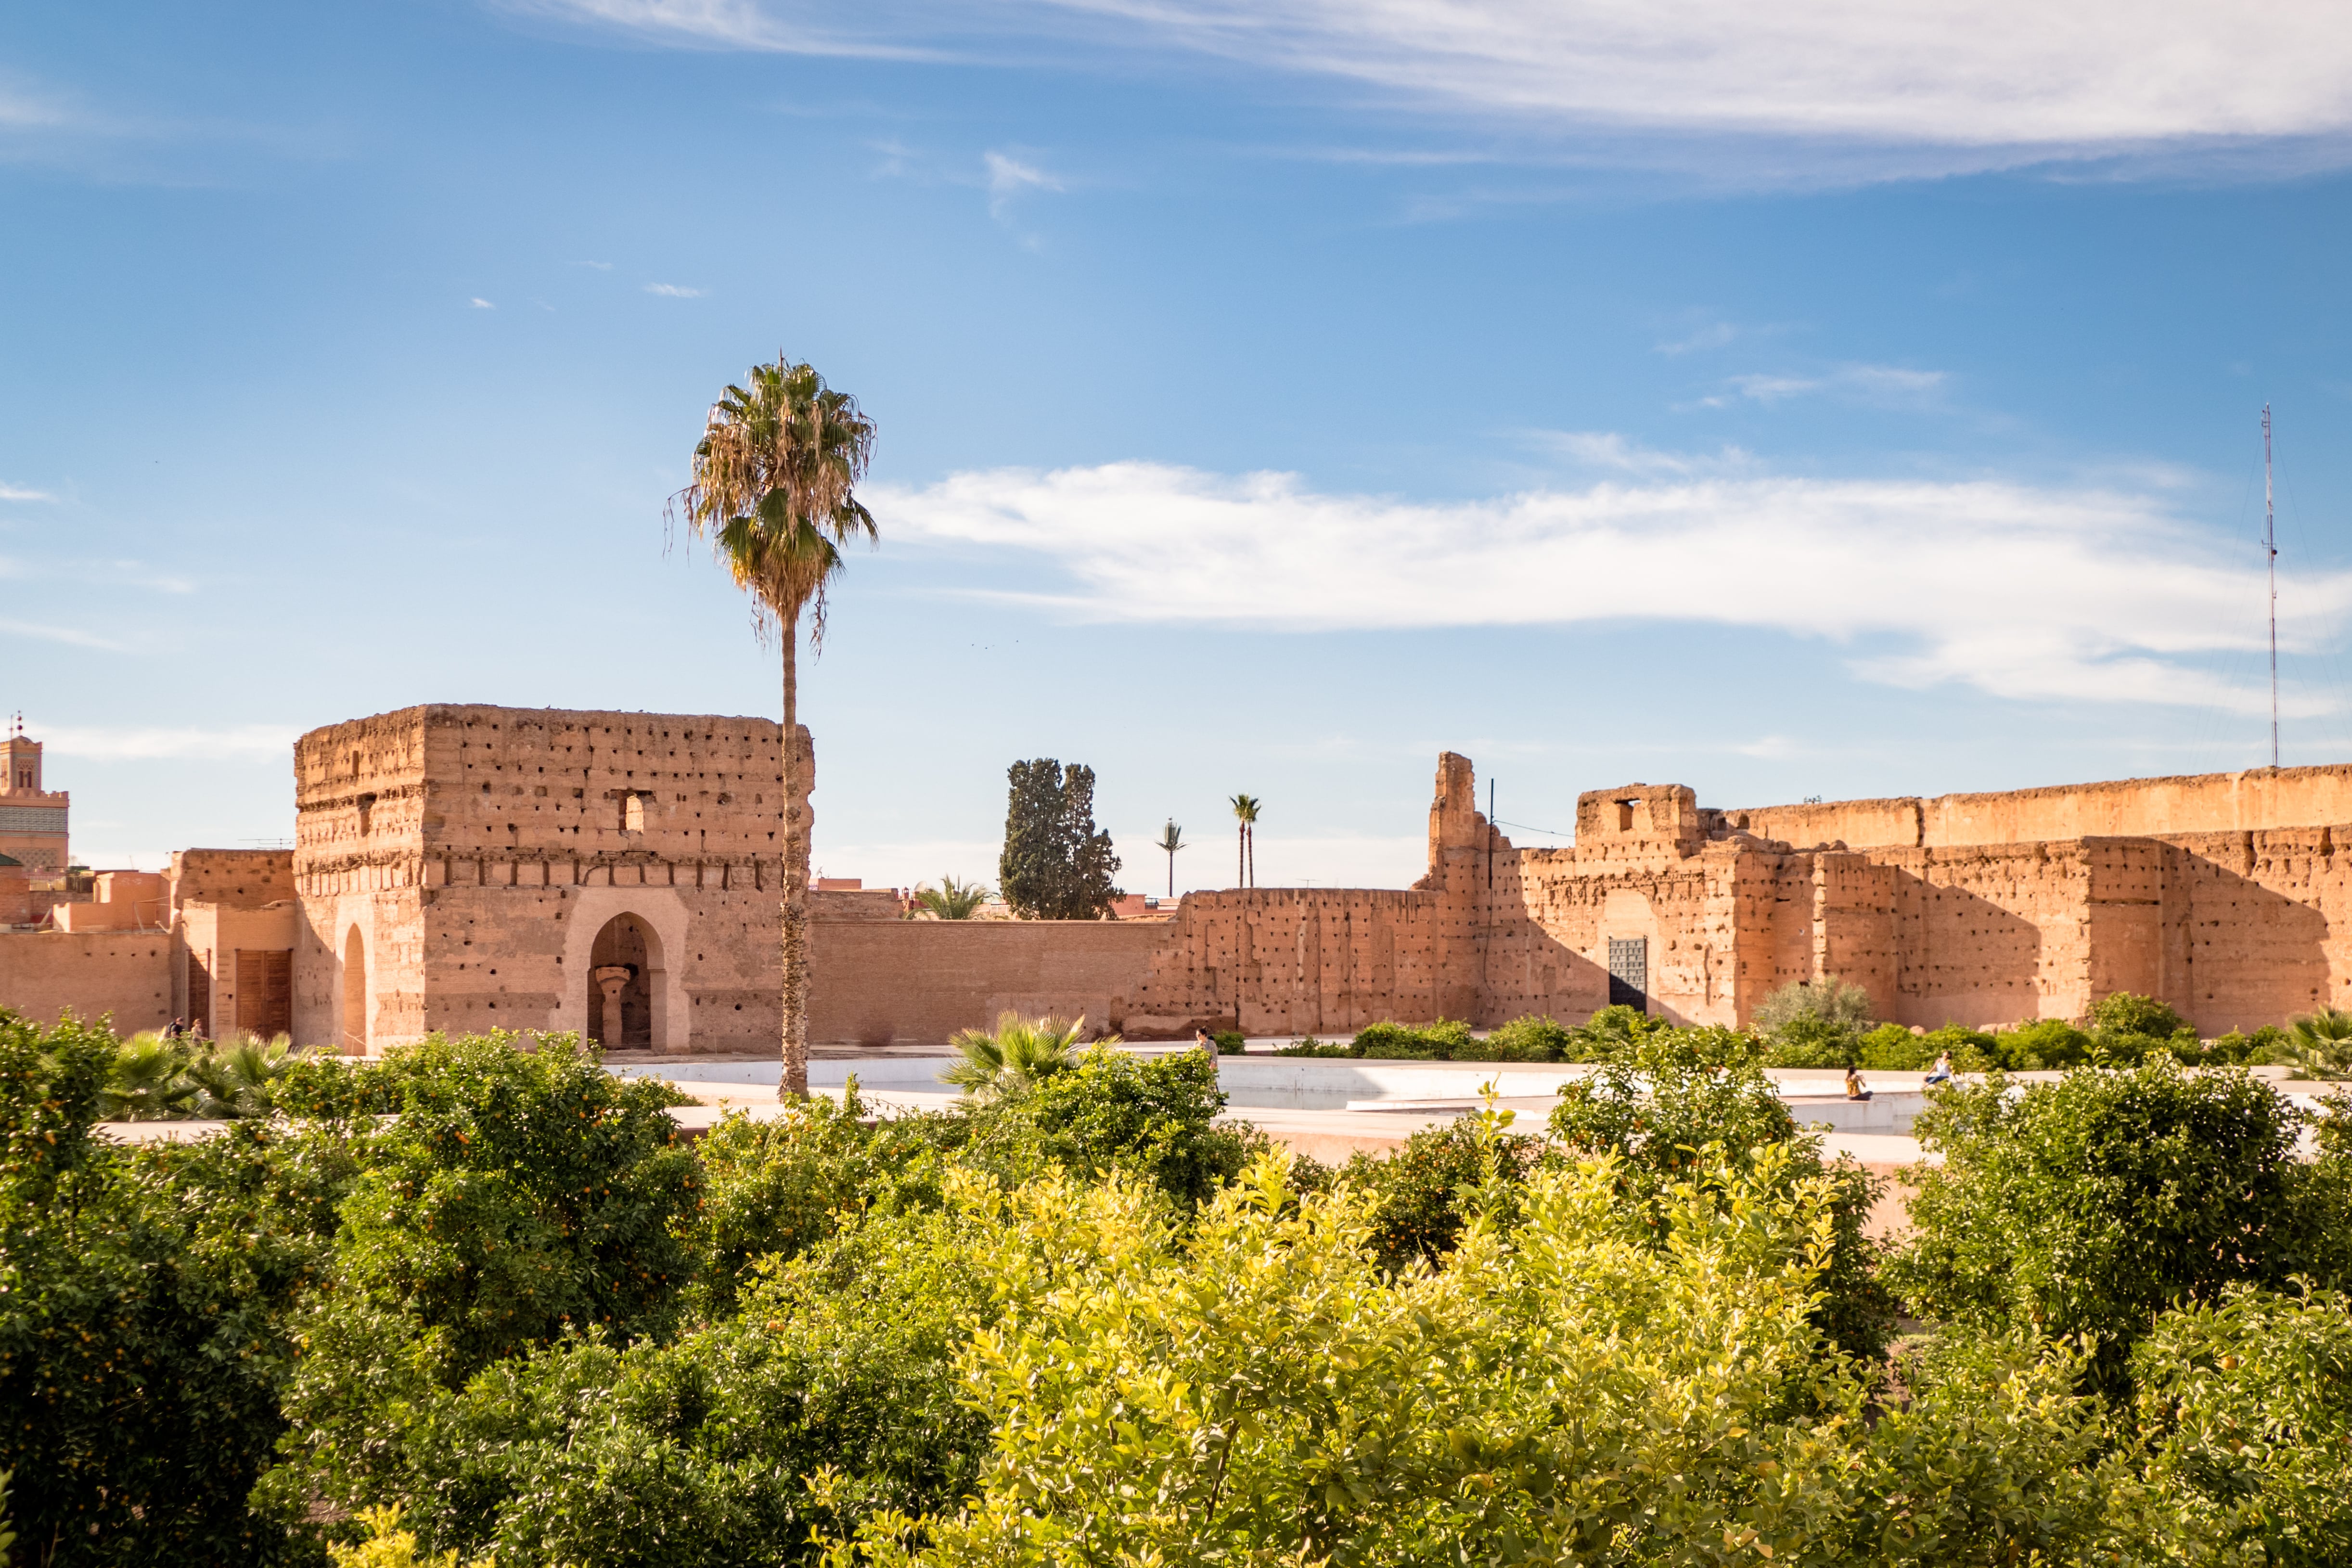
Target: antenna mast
{"x":2269,"y":548}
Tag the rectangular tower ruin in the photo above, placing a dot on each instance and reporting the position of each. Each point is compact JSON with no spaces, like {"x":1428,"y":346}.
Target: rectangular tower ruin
{"x":471,"y":867}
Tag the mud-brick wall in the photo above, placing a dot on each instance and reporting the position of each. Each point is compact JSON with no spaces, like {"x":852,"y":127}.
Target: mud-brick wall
{"x":2257,"y":926}
{"x":94,"y":973}
{"x":1993,"y":934}
{"x":1568,"y":904}
{"x":922,"y":981}
{"x":1298,"y":960}
{"x":1539,"y":938}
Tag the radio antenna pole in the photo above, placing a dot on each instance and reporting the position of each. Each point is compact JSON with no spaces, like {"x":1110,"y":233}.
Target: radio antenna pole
{"x":2269,"y":548}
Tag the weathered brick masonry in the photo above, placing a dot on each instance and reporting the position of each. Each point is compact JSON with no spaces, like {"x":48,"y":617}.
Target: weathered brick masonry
{"x":466,"y":867}
{"x":463,"y":868}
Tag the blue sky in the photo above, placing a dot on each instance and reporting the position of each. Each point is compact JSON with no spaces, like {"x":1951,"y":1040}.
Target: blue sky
{"x":1270,"y":395}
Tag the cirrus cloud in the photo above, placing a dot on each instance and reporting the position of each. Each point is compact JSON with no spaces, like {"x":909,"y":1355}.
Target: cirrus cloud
{"x":2009,"y":81}
{"x":2021,"y":591}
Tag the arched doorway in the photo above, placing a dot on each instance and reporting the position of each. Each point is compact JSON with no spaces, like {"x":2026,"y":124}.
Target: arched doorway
{"x":355,"y":997}
{"x":624,"y":987}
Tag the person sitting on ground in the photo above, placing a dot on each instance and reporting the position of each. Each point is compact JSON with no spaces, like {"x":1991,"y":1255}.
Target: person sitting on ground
{"x":1942,"y":1071}
{"x":1855,"y":1087}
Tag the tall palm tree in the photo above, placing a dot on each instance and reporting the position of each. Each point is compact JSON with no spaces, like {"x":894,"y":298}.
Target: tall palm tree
{"x":1246,"y":810}
{"x":1171,"y":839}
{"x":776,"y":476}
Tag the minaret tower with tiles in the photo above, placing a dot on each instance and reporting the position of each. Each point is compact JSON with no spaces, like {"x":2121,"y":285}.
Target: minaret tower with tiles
{"x":32,"y":819}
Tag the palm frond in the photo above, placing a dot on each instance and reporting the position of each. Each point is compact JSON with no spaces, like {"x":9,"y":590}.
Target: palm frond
{"x":952,"y":900}
{"x":1018,"y":1055}
{"x":773,"y":490}
{"x":2320,"y":1043}
{"x":147,"y":1081}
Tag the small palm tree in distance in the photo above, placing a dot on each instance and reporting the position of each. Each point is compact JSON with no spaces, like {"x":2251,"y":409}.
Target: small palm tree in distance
{"x":1171,"y":839}
{"x":1245,"y":809}
{"x":1018,"y":1055}
{"x":952,"y":900}
{"x":773,"y":490}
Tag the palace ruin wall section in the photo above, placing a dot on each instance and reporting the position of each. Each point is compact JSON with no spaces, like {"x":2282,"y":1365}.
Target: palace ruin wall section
{"x":125,"y":974}
{"x":475,"y":854}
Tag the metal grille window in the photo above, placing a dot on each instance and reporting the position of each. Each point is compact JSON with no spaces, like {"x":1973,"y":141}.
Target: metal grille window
{"x":1629,"y":972}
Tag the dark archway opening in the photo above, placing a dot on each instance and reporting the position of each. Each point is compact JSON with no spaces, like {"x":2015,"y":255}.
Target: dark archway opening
{"x":624,"y":970}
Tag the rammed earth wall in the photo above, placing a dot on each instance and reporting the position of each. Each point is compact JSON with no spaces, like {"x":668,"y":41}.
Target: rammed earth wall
{"x":463,"y":867}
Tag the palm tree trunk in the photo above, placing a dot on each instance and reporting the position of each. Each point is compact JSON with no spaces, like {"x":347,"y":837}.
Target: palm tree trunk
{"x":792,"y":1082}
{"x":1241,"y":853}
{"x":1253,"y":854}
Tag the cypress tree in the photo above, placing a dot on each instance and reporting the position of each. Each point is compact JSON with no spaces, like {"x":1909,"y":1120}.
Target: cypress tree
{"x":1057,"y":864}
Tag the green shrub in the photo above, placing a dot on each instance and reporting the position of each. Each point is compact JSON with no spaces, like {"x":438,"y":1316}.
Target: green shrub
{"x":1687,"y":1105}
{"x":1891,"y":1047}
{"x":2237,"y":1049}
{"x":1528,"y":1039}
{"x":1440,"y":1041}
{"x":1231,"y":1042}
{"x":2246,"y":1403}
{"x":1828,"y":1000}
{"x":2126,"y":1013}
{"x":1420,"y":1194}
{"x":1311,"y":1046}
{"x":144,"y":1294}
{"x":514,"y":1197}
{"x":1805,"y":1042}
{"x":1612,"y":1033}
{"x":1154,"y":1117}
{"x":1983,"y":1450}
{"x":1281,"y":1398}
{"x":1389,"y":1040}
{"x":2039,"y":1046}
{"x":696,"y":1453}
{"x":2088,"y":1206}
{"x":775,"y":1188}
{"x":2318,"y":1045}
{"x":2126,"y":1027}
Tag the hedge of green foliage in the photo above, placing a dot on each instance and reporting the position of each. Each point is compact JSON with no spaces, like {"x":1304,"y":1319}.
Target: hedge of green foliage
{"x":1084,"y":1322}
{"x":1608,"y":1034}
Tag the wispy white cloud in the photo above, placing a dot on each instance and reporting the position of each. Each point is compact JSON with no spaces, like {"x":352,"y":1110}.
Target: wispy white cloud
{"x":2022,"y":591}
{"x":1008,"y":177}
{"x":1608,"y":450}
{"x":158,"y":742}
{"x":1947,"y":84}
{"x":21,"y":492}
{"x":1714,"y":335}
{"x":736,"y":25}
{"x":24,"y":107}
{"x":1881,"y":383}
{"x":673,"y":292}
{"x":599,"y":266}
{"x":72,"y":637}
{"x":481,"y":304}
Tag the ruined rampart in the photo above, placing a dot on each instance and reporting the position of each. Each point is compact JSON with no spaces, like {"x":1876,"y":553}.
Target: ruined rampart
{"x":2256,"y":800}
{"x":125,"y":974}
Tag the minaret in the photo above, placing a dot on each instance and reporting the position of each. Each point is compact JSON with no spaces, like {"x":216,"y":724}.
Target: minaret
{"x":32,"y":819}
